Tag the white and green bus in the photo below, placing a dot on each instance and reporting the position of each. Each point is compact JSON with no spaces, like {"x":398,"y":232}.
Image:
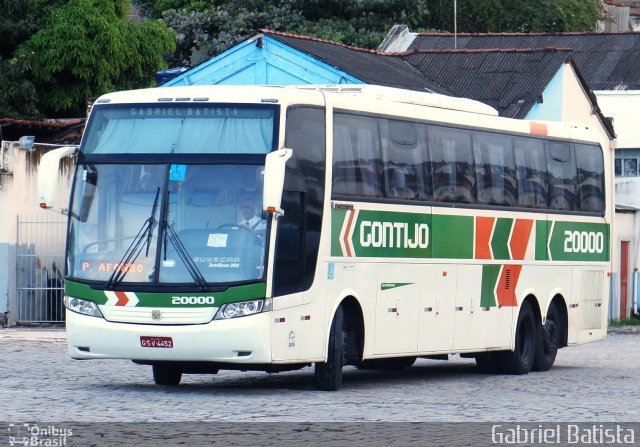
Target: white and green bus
{"x":271,"y":228}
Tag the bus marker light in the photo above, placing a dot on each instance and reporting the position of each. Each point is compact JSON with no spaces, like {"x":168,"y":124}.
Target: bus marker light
{"x":444,"y":273}
{"x":279,"y":320}
{"x":428,"y":309}
{"x":305,"y":317}
{"x":538,"y":128}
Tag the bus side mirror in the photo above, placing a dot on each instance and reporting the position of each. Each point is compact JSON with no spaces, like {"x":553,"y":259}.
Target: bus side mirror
{"x":274,"y":169}
{"x":48,"y":176}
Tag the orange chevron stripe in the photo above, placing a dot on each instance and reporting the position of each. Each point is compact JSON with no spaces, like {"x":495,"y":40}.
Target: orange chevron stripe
{"x":347,"y":245}
{"x":506,"y":291}
{"x":484,"y":227}
{"x":122,"y":299}
{"x":520,"y":238}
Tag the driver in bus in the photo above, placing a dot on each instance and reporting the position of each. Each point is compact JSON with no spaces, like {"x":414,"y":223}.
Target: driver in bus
{"x":250,"y":218}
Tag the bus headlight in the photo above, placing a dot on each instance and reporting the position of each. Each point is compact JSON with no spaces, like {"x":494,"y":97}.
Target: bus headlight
{"x":83,"y":307}
{"x":242,"y":309}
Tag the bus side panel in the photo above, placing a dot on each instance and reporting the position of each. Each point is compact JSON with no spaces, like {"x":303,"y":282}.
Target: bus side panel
{"x":587,"y":318}
{"x":346,"y":278}
{"x":437,"y":308}
{"x":298,"y":331}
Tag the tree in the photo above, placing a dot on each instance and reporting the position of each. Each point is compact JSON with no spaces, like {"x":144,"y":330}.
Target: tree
{"x":82,"y":48}
{"x":211,"y":28}
{"x":517,"y":15}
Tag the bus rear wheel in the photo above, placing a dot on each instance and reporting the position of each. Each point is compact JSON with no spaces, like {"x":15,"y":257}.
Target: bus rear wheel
{"x":328,"y":375}
{"x":548,"y":340}
{"x":166,"y":374}
{"x":520,"y":360}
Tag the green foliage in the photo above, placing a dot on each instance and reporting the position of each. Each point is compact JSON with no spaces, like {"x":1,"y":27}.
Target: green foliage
{"x":517,"y":15}
{"x":82,"y":49}
{"x":214,"y":28}
{"x":218,"y":27}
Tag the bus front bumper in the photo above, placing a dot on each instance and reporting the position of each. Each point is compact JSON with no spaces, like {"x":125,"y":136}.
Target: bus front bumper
{"x":237,"y":340}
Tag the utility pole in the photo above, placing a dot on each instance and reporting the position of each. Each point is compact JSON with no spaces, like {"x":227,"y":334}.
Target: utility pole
{"x":455,"y":24}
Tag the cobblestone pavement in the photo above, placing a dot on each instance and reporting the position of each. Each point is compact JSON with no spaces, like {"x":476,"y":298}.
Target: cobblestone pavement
{"x":596,"y":382}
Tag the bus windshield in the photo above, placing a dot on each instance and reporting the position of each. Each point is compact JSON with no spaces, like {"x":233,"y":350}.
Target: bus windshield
{"x":180,"y":129}
{"x":167,"y":223}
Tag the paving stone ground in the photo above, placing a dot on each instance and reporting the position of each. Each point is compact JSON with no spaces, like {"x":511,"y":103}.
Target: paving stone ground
{"x":597,"y":382}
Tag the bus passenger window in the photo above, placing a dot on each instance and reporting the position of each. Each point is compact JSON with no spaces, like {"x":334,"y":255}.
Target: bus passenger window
{"x":531,"y":172}
{"x":562,"y":177}
{"x":495,"y":171}
{"x":452,"y":164}
{"x":590,"y":179}
{"x":356,"y":156}
{"x":404,"y":154}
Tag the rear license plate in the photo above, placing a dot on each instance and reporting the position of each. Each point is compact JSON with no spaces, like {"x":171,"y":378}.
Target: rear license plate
{"x":156,"y":342}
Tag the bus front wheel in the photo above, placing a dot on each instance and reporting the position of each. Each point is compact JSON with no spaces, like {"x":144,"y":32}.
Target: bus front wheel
{"x":328,"y":375}
{"x":166,"y":374}
{"x":520,"y":360}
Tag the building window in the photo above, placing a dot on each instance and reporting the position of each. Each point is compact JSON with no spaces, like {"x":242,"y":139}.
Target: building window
{"x":627,"y":167}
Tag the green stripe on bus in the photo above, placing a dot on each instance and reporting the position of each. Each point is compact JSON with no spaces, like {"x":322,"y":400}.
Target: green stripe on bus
{"x":453,"y":236}
{"x":393,"y":285}
{"x":500,"y":239}
{"x":579,"y":241}
{"x":151,"y":299}
{"x":490,"y":275}
{"x":386,"y":234}
{"x":542,"y":228}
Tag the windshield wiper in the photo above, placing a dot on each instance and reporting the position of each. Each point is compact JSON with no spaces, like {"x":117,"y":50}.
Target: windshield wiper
{"x":133,"y":251}
{"x":181,"y":250}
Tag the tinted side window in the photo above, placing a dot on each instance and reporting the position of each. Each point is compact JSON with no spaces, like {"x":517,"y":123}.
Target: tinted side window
{"x":404,"y":149}
{"x":356,"y":156}
{"x":590,"y":178}
{"x":495,"y":171}
{"x":452,"y":164}
{"x":563,"y":177}
{"x":303,"y":197}
{"x":531,"y":172}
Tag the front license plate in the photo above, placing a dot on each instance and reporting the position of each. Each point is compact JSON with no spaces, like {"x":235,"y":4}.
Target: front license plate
{"x":156,"y":342}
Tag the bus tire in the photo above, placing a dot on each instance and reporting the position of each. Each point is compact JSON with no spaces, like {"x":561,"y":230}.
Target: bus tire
{"x":488,"y":362}
{"x":328,"y":375}
{"x":166,"y":374}
{"x":520,"y":360}
{"x":548,"y":340}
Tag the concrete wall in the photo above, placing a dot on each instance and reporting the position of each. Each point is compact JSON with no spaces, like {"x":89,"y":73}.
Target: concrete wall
{"x":623,"y":107}
{"x":19,"y":197}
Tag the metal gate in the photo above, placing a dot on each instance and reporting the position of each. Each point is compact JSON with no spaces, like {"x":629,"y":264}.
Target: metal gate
{"x":39,"y":268}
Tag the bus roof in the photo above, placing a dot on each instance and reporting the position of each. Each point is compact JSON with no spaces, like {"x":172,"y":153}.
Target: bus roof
{"x":252,"y":93}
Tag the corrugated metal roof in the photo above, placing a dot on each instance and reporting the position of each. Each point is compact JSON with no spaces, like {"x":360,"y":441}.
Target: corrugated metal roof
{"x":510,"y":81}
{"x":369,"y":66}
{"x":607,"y":61}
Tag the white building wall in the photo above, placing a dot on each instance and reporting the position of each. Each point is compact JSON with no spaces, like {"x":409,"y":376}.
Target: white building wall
{"x":623,"y":107}
{"x":19,"y":197}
